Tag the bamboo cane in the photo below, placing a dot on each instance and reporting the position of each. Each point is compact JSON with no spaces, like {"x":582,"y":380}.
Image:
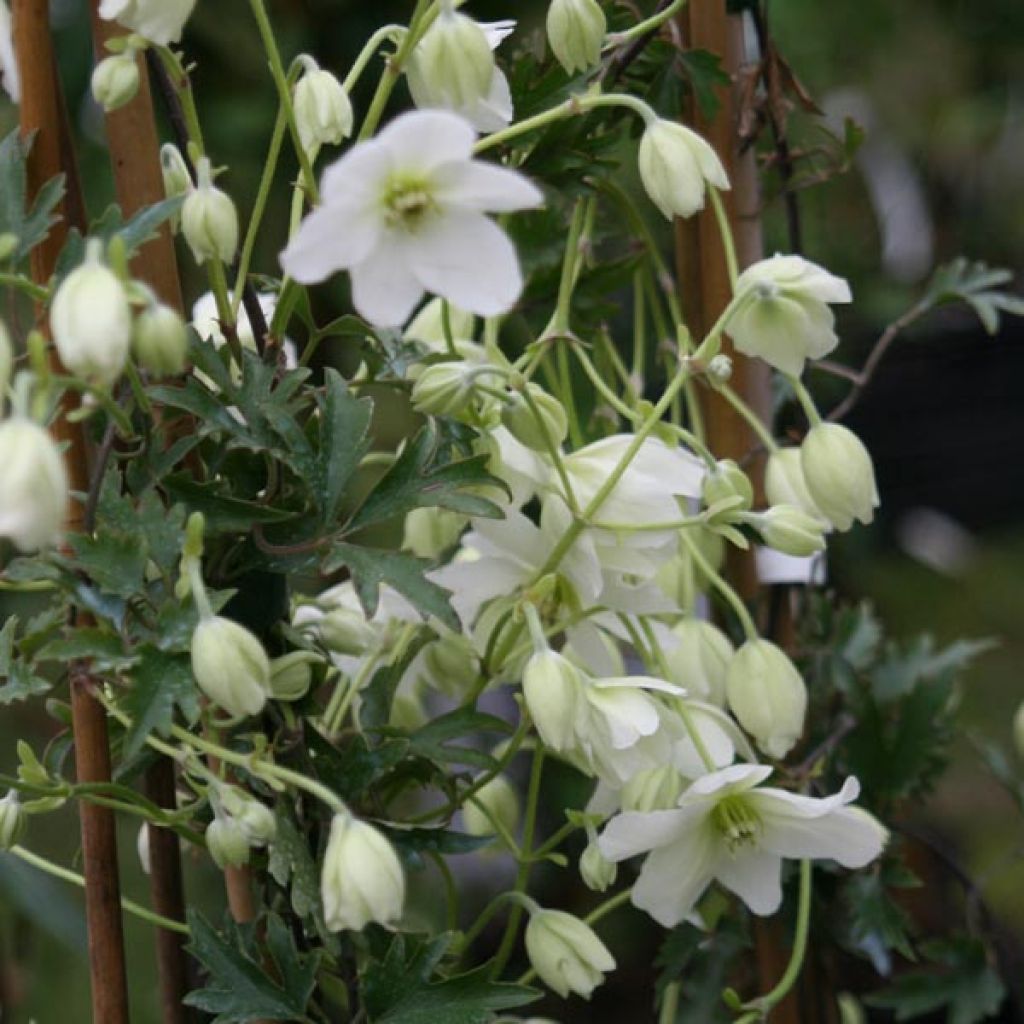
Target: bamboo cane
{"x":41,"y":113}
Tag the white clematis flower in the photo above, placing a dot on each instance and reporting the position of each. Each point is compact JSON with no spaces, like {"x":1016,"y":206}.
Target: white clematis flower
{"x":405,"y":214}
{"x":159,"y":21}
{"x":785,"y":319}
{"x":9,"y":76}
{"x":729,"y":829}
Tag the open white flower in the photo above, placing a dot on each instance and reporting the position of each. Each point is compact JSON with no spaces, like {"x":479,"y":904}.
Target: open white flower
{"x":159,"y":21}
{"x":405,"y":214}
{"x":9,"y":77}
{"x":729,"y":829}
{"x":785,"y":319}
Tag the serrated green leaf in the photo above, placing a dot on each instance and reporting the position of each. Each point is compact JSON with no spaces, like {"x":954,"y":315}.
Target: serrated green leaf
{"x":379,"y":694}
{"x":105,"y":651}
{"x":350,"y":766}
{"x":159,"y":684}
{"x":223,"y":512}
{"x":344,"y":423}
{"x":29,"y":225}
{"x":293,"y":867}
{"x":20,"y":682}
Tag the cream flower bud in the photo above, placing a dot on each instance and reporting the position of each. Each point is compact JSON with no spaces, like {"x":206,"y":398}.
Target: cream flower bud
{"x":596,"y":870}
{"x":91,"y":320}
{"x":840,"y":475}
{"x":160,"y":341}
{"x":256,"y":819}
{"x":209,"y":220}
{"x":444,"y":389}
{"x":700,"y":660}
{"x":767,"y":695}
{"x":676,"y":164}
{"x":227,"y":842}
{"x":1018,"y":731}
{"x":784,"y":482}
{"x":291,"y":675}
{"x":552,"y":688}
{"x":655,"y":789}
{"x":115,"y":80}
{"x":346,"y":631}
{"x":496,"y":800}
{"x":566,"y":953}
{"x":518,"y":418}
{"x":719,"y":369}
{"x":727,"y":480}
{"x":453,"y":60}
{"x":576,"y":30}
{"x":230,"y":666}
{"x":451,"y":664}
{"x":6,"y":362}
{"x":323,"y":111}
{"x":791,"y":530}
{"x":177,"y":180}
{"x":13,"y":820}
{"x":784,"y":317}
{"x":429,"y":532}
{"x":34,"y":489}
{"x":362,"y":879}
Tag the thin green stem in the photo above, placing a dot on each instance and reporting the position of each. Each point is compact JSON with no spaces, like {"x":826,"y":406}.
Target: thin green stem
{"x":451,"y":891}
{"x":725,"y":230}
{"x":670,"y":1003}
{"x":386,"y":33}
{"x":30,"y":288}
{"x":183,"y":87}
{"x":553,"y":451}
{"x":748,"y":414}
{"x":641,"y":28}
{"x":805,"y":400}
{"x":730,"y":595}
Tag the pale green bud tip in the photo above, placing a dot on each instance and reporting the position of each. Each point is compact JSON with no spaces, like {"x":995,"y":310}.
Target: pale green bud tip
{"x":496,"y":801}
{"x":1018,"y":731}
{"x":346,"y":631}
{"x":177,"y":180}
{"x":597,"y":872}
{"x":576,"y":31}
{"x":13,"y":821}
{"x":656,"y":789}
{"x":6,"y":361}
{"x":566,"y":953}
{"x":791,"y":530}
{"x":728,"y":481}
{"x":540,"y":427}
{"x":291,"y":675}
{"x":254,"y":818}
{"x":444,"y":389}
{"x":362,"y":879}
{"x":115,"y":81}
{"x":840,"y":475}
{"x":209,"y":220}
{"x":552,"y":689}
{"x":429,"y":532}
{"x":323,"y":110}
{"x":230,"y":666}
{"x":160,"y":342}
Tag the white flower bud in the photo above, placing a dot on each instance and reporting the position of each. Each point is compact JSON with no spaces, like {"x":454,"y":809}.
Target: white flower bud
{"x":499,"y":800}
{"x":160,"y":341}
{"x":675,"y":165}
{"x":362,"y":878}
{"x":209,"y":220}
{"x":226,"y":840}
{"x":791,"y":530}
{"x":346,"y":631}
{"x":323,"y":111}
{"x":91,"y":321}
{"x":784,"y":482}
{"x":159,"y":21}
{"x":230,"y":666}
{"x":34,"y":489}
{"x":291,"y":675}
{"x":255,"y":819}
{"x":451,"y":664}
{"x":840,"y":475}
{"x":453,"y":64}
{"x":1018,"y":731}
{"x":767,"y":695}
{"x":727,"y":480}
{"x":6,"y":362}
{"x":408,"y":712}
{"x":576,"y":30}
{"x":519,"y":419}
{"x":552,"y":687}
{"x":177,"y":180}
{"x":444,"y":389}
{"x":700,"y":660}
{"x":142,"y":849}
{"x":720,"y":369}
{"x":115,"y":80}
{"x":427,"y":326}
{"x":596,"y":870}
{"x":566,"y":953}
{"x":655,"y":789}
{"x":429,"y":532}
{"x":13,"y":820}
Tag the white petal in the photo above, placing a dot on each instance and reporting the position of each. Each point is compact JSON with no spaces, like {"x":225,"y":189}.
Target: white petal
{"x":467,"y":260}
{"x":498,"y":31}
{"x":329,"y":239}
{"x":639,"y":683}
{"x":674,"y":877}
{"x":356,"y":177}
{"x":384,"y":289}
{"x":755,"y":876}
{"x":710,"y":166}
{"x":848,"y":835}
{"x":635,"y":832}
{"x":627,"y":713}
{"x":427,"y":138}
{"x":738,"y":777}
{"x":476,"y":185}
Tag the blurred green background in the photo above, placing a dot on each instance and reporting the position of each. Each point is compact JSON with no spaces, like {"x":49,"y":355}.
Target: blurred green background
{"x":939,"y":86}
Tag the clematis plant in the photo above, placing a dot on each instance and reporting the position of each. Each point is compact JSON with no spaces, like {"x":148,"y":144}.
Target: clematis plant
{"x":418,"y":546}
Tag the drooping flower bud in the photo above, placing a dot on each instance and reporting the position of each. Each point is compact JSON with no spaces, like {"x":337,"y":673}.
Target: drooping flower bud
{"x":453,"y":63}
{"x":552,"y":687}
{"x":362,"y":878}
{"x":725,"y":481}
{"x":177,"y":180}
{"x":291,"y":675}
{"x":566,"y":953}
{"x":209,"y":220}
{"x":497,"y":800}
{"x":226,"y":840}
{"x":596,"y":870}
{"x":6,"y":362}
{"x":159,"y":21}
{"x":444,"y":389}
{"x":115,"y":80}
{"x":323,"y":111}
{"x":783,"y":316}
{"x":719,"y":369}
{"x":13,"y":820}
{"x":230,"y":665}
{"x":655,"y":789}
{"x":676,"y":164}
{"x":840,"y":475}
{"x":791,"y":530}
{"x":346,"y":631}
{"x":255,"y":818}
{"x":429,"y":532}
{"x":523,"y":424}
{"x":784,"y":482}
{"x":160,"y":341}
{"x":767,"y":695}
{"x":700,"y":660}
{"x":34,"y":489}
{"x":91,"y":320}
{"x":10,"y":78}
{"x":451,"y":664}
{"x":576,"y":30}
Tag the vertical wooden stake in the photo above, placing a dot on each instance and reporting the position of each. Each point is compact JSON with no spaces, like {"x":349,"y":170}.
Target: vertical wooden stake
{"x":41,"y":113}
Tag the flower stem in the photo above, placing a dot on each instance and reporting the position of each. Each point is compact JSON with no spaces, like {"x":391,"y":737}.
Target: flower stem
{"x":748,"y":414}
{"x":806,"y":402}
{"x":641,"y":28}
{"x":725,"y":230}
{"x":386,"y":33}
{"x":730,"y":595}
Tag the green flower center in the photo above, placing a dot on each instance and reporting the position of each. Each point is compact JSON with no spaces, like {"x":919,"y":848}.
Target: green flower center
{"x":407,"y":201}
{"x":736,"y":821}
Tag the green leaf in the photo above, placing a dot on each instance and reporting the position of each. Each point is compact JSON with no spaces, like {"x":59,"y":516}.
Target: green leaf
{"x":977,"y":285}
{"x":876,"y":923}
{"x":114,"y":561}
{"x":433,"y":740}
{"x":344,"y":422}
{"x":703,"y":70}
{"x":160,"y":683}
{"x":350,"y":766}
{"x":224,"y":513}
{"x":29,"y":225}
{"x":379,"y":694}
{"x":238,"y":990}
{"x":371,"y":567}
{"x":20,"y":682}
{"x":104,"y":650}
{"x":398,"y":989}
{"x":291,"y":863}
